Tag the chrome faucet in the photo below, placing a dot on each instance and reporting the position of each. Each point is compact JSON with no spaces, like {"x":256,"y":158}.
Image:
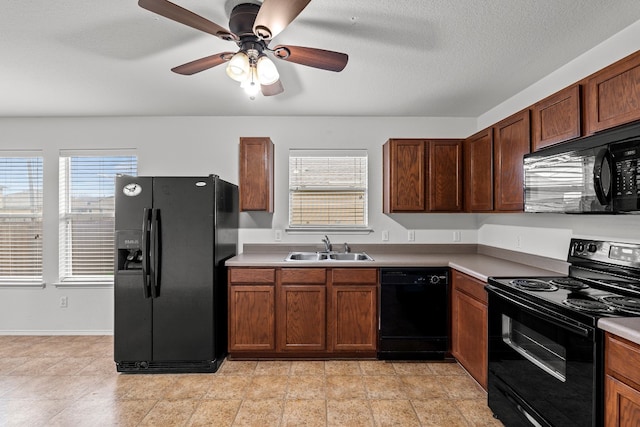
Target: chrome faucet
{"x":347,"y":249}
{"x":327,"y":243}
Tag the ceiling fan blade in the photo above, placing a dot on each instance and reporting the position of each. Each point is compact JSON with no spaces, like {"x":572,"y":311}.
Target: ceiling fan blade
{"x":203,"y":63}
{"x":275,"y":15}
{"x":318,"y":58}
{"x":179,"y":14}
{"x":272,"y":89}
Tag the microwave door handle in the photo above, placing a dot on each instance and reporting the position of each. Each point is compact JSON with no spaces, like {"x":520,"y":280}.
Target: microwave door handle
{"x":603,"y":194}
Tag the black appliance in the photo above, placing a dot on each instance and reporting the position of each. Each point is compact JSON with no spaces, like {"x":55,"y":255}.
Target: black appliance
{"x":173,"y":235}
{"x":546,"y":355}
{"x":597,"y":174}
{"x":413,"y":313}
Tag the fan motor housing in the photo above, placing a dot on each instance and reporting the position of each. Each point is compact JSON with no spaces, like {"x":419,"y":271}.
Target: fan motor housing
{"x":242,"y":18}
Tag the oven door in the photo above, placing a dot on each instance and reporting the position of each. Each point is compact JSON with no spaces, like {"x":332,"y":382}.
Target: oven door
{"x":542,"y":367}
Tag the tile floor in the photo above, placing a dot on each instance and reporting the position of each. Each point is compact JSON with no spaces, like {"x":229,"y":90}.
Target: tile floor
{"x":71,"y":381}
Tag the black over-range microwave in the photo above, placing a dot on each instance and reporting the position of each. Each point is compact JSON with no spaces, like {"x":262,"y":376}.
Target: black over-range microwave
{"x":596,"y":174}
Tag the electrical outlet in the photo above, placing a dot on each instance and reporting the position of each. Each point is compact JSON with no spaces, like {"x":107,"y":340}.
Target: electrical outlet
{"x":278,"y":235}
{"x":64,"y":302}
{"x":456,"y":236}
{"x":385,"y":235}
{"x":411,"y":235}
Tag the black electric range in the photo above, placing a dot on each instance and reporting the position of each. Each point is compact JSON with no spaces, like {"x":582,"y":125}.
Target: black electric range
{"x":546,"y":354}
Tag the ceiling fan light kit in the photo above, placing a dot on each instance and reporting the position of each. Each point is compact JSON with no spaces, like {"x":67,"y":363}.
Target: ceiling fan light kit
{"x":252,"y":26}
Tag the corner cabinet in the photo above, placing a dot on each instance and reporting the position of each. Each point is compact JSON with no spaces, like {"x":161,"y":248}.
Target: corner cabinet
{"x":622,"y":382}
{"x":469,"y":325}
{"x":303,"y":312}
{"x":478,"y":171}
{"x":422,"y":175}
{"x":256,"y":174}
{"x":613,"y":95}
{"x":511,"y":141}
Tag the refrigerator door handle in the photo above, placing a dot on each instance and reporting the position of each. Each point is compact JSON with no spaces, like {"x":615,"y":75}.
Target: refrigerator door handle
{"x":154,"y":252}
{"x":145,"y":252}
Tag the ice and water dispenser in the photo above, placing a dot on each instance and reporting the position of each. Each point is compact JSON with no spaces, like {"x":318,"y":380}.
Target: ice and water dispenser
{"x":129,"y":250}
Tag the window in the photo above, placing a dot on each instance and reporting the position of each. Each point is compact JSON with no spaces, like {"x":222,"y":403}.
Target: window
{"x":328,"y":189}
{"x":87,"y":213}
{"x":21,"y":218}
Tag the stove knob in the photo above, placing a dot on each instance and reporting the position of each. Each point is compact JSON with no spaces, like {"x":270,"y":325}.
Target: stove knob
{"x":434,"y":280}
{"x":579,"y":247}
{"x":592,"y":247}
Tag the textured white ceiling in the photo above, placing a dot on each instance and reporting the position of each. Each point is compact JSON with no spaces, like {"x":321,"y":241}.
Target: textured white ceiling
{"x":406,"y":57}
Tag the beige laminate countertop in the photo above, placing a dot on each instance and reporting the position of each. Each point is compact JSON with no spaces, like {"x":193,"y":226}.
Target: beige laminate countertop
{"x":625,"y":327}
{"x":476,"y":265}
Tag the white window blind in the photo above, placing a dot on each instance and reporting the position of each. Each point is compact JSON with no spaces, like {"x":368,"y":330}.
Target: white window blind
{"x":21,"y":218}
{"x":327,"y":188}
{"x":87,"y":213}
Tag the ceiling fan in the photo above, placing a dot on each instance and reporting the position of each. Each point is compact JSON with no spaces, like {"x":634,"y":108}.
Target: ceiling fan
{"x":252,"y":25}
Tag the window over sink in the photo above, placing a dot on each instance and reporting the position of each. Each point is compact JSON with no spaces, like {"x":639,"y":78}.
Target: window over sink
{"x":328,"y":190}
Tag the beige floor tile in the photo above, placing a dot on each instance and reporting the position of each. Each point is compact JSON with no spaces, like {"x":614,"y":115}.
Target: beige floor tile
{"x":190,"y":386}
{"x":462,"y":387}
{"x":395,"y":412}
{"x":311,"y":367}
{"x":376,"y":367}
{"x":412,"y":368}
{"x":228,"y":387}
{"x":273,"y":367}
{"x":446,"y":368}
{"x":36,"y":366}
{"x":308,"y":413}
{"x":170,"y":413}
{"x":345,"y":387}
{"x":260,"y":413}
{"x":438,"y":413}
{"x":385,"y":387}
{"x":349,"y":413}
{"x":267,"y":387}
{"x":148,"y":386}
{"x":423,"y":387}
{"x":237,"y":367}
{"x":23,"y":412}
{"x":219,"y":413}
{"x":342,"y":367}
{"x":306,"y":387}
{"x":477,"y":413}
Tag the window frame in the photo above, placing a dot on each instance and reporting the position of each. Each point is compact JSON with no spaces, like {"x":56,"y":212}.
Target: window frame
{"x":324,"y":228}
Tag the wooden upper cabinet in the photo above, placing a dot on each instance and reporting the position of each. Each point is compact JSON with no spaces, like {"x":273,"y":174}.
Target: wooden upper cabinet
{"x":256,"y":174}
{"x":422,"y":175}
{"x":613,"y":95}
{"x":511,"y":142}
{"x":556,"y":118}
{"x":444,"y":175}
{"x":478,"y":171}
{"x":403,"y":175}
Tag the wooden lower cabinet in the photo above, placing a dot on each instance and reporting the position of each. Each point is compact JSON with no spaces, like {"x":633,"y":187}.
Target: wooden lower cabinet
{"x":622,"y":382}
{"x":469,"y":325}
{"x":353,"y":309}
{"x":303,"y":312}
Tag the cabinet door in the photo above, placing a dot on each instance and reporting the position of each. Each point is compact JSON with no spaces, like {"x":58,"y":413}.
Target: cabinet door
{"x":302,"y":310}
{"x":556,"y":119}
{"x":469,"y":327}
{"x":622,"y":404}
{"x":256,"y":174}
{"x":613,"y":95}
{"x":478,"y":175}
{"x":353,"y":309}
{"x":444,"y":180}
{"x":403,"y":176}
{"x":251,"y":317}
{"x":511,"y":143}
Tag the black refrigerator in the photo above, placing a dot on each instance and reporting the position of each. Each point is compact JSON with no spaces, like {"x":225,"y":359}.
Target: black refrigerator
{"x":172,"y":235}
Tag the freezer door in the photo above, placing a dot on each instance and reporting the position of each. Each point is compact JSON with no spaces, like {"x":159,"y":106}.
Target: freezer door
{"x":183,"y":327}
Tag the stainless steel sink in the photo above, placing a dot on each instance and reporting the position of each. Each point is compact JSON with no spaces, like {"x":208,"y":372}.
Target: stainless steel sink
{"x":328,"y":256}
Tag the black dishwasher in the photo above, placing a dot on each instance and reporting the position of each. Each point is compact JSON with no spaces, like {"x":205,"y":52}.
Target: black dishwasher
{"x":413,"y":313}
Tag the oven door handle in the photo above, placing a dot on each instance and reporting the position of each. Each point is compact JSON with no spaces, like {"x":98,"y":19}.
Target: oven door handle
{"x":583,"y":331}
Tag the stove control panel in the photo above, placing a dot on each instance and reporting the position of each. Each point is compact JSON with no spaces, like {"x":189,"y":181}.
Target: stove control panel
{"x":626,"y":254}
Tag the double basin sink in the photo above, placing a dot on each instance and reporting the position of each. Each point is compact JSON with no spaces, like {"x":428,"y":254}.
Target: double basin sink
{"x":328,"y":256}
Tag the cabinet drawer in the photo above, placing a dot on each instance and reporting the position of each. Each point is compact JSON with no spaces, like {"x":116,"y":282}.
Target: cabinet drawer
{"x":622,"y":358}
{"x":355,"y":275}
{"x":470,"y":286}
{"x":303,"y":275}
{"x":252,"y":275}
